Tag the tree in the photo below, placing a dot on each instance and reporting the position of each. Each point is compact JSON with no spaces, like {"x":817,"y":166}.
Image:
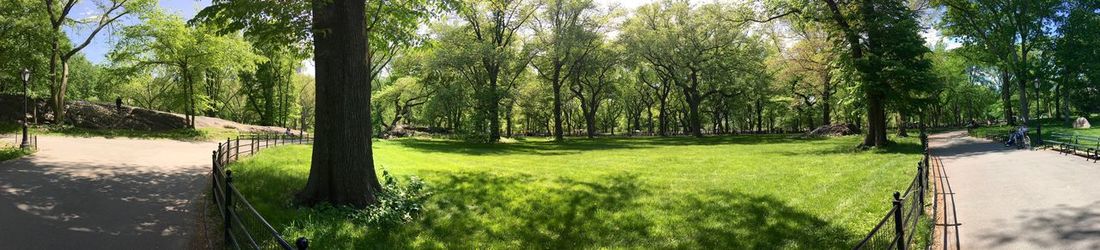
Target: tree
{"x":351,"y":44}
{"x":565,"y":34}
{"x":883,"y":47}
{"x":26,"y":43}
{"x":594,"y":83}
{"x":1076,"y":52}
{"x":164,"y":40}
{"x":810,"y":61}
{"x":342,"y":171}
{"x":492,"y":32}
{"x":1007,"y":30}
{"x":59,"y":16}
{"x":403,"y":95}
{"x":694,"y":49}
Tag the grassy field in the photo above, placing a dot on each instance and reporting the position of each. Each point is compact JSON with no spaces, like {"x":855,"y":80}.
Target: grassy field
{"x":741,"y":192}
{"x":1049,"y":126}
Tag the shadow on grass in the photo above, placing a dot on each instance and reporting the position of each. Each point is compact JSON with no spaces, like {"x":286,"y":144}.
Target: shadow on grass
{"x":473,"y":210}
{"x":897,"y":146}
{"x":572,"y":146}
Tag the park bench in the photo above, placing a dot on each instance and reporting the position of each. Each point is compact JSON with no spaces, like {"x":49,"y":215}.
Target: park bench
{"x":1059,"y":140}
{"x":1089,"y":144}
{"x":1072,"y":143}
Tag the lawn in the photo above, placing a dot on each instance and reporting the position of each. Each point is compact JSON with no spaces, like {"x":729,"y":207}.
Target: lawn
{"x":739,"y":192}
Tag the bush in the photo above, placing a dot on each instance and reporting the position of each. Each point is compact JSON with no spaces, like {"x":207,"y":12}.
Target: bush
{"x":397,"y":203}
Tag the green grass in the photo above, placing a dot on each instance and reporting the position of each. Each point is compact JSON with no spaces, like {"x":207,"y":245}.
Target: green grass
{"x":203,"y":134}
{"x":1049,"y":126}
{"x":741,"y":192}
{"x":8,"y":153}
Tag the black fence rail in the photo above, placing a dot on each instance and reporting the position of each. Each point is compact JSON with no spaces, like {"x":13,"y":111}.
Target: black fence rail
{"x":901,"y":225}
{"x":244,"y":227}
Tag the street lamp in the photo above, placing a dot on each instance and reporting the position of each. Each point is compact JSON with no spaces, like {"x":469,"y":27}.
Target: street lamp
{"x":26,"y":78}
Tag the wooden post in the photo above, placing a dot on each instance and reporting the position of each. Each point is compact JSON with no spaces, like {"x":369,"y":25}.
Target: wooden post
{"x":237,"y":150}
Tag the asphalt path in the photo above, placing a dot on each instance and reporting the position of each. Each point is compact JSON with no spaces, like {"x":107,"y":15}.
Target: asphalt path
{"x":100,"y":193}
{"x":1020,"y":199}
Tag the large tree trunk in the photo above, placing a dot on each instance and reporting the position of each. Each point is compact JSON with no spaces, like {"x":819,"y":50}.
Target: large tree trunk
{"x":59,"y":97}
{"x":901,"y":125}
{"x":557,"y":82}
{"x":663,"y":117}
{"x":759,"y":115}
{"x":826,"y":103}
{"x":1006,"y":97}
{"x":876,"y":120}
{"x":694,"y":119}
{"x":342,"y":170}
{"x":1025,"y":113}
{"x":590,"y":123}
{"x":494,"y":105}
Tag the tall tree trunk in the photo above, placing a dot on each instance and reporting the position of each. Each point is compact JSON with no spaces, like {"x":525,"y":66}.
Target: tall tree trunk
{"x":876,"y":120}
{"x":494,"y":105}
{"x":759,"y":115}
{"x":1065,"y":103}
{"x":663,"y":117}
{"x":508,"y":126}
{"x":557,"y":82}
{"x":342,"y":169}
{"x":901,"y":125}
{"x":649,"y":120}
{"x":1006,"y":97}
{"x":694,"y":119}
{"x":826,"y":102}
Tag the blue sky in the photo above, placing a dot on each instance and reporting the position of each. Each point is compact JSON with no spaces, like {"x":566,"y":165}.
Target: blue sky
{"x":97,"y":50}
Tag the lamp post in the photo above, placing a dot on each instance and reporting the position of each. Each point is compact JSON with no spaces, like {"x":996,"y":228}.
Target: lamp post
{"x":26,"y":78}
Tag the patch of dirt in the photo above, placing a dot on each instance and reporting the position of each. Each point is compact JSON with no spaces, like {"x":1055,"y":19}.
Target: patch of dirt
{"x":834,"y":130}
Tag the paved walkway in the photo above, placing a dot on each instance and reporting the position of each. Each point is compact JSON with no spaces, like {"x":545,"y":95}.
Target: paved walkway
{"x":1020,"y":199}
{"x":97,"y":193}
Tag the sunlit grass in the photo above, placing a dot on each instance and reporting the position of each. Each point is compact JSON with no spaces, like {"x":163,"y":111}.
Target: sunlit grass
{"x":8,"y":152}
{"x":719,"y":192}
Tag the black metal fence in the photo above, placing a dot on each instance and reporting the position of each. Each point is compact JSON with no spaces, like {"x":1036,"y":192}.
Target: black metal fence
{"x":899,"y":228}
{"x":244,"y":227}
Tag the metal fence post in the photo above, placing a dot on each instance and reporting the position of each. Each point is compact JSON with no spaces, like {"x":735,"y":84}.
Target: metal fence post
{"x":302,"y":243}
{"x":899,"y":229}
{"x":921,"y":169}
{"x":214,"y":169}
{"x":228,"y":143}
{"x":220,"y":153}
{"x":228,"y":205}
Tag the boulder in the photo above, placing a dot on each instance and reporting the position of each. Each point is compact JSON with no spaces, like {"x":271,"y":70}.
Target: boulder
{"x":834,"y":130}
{"x":1081,"y":122}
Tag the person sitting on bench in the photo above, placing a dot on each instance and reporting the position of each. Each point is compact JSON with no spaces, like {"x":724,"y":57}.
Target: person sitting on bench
{"x":1016,"y":136}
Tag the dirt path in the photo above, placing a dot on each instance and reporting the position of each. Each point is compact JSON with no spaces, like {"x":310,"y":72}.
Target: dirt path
{"x":1020,"y":199}
{"x":97,"y":193}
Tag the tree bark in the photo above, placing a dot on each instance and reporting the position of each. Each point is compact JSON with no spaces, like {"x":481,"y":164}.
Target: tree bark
{"x":826,"y":101}
{"x":876,"y":120}
{"x":558,"y":135}
{"x":1006,"y":97}
{"x":342,"y":169}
